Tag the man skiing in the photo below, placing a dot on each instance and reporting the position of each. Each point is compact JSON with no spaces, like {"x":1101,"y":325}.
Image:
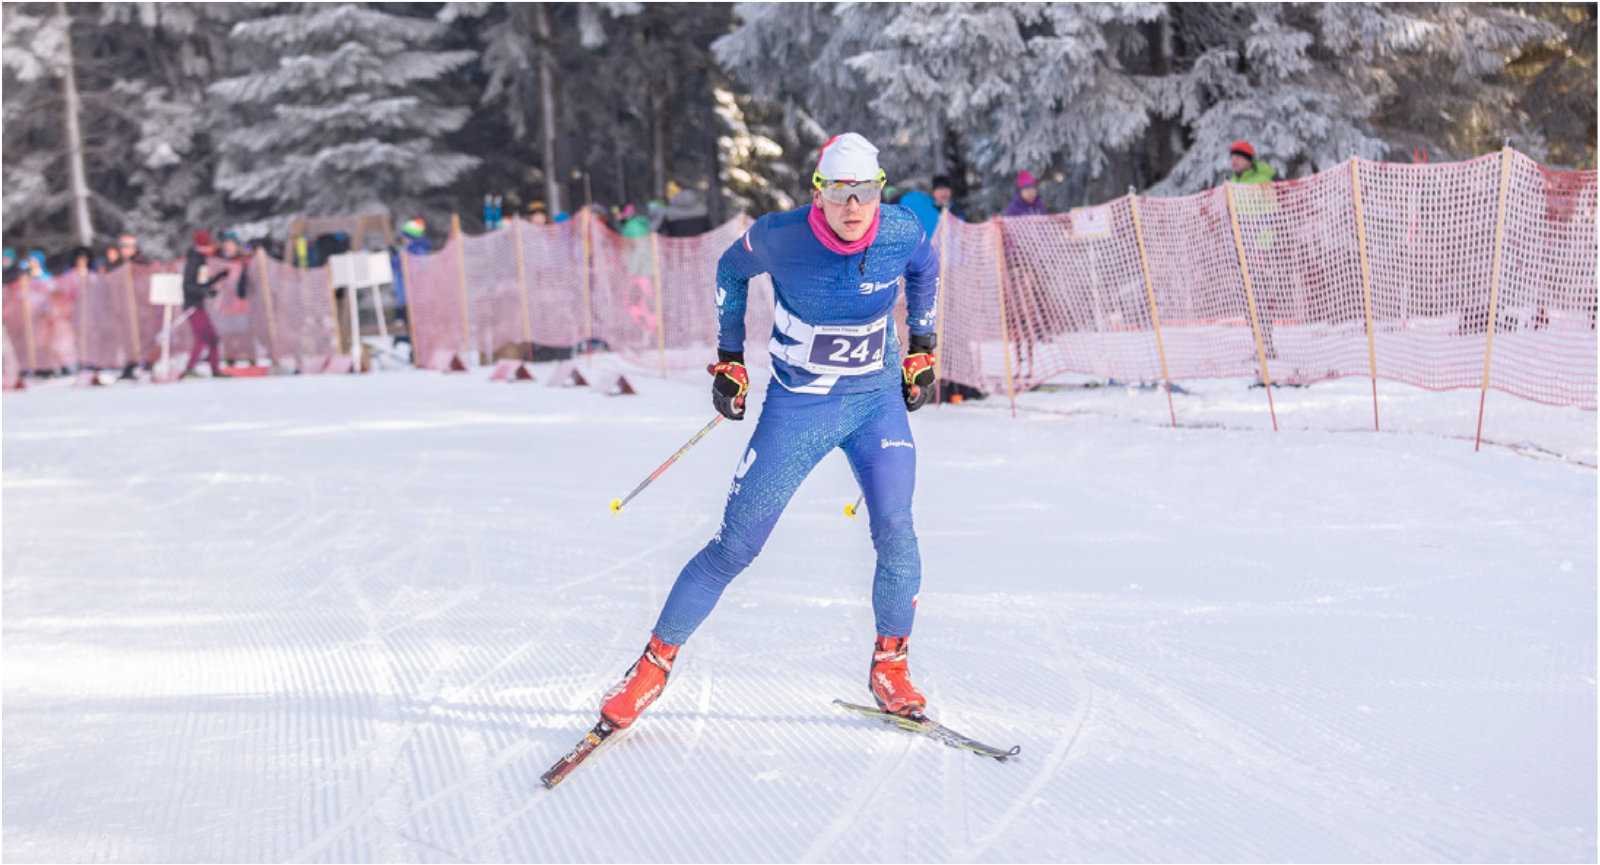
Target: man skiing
{"x":837,"y":382}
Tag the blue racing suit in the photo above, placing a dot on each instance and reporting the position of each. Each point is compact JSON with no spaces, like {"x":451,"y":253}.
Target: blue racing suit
{"x":835,"y":384}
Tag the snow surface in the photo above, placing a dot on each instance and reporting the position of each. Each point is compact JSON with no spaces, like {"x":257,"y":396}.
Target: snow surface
{"x":354,"y":618}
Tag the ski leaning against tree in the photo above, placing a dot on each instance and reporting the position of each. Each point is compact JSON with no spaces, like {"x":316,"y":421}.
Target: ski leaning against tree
{"x":838,"y":381}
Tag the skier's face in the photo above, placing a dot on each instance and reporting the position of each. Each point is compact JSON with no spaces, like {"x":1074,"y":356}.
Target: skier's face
{"x":848,"y":220}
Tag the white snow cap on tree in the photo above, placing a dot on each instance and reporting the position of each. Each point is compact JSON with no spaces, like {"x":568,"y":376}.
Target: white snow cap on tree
{"x":849,"y":157}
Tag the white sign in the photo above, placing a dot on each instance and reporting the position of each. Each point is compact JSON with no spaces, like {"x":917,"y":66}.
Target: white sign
{"x":1091,"y":222}
{"x":360,"y":269}
{"x":166,"y":289}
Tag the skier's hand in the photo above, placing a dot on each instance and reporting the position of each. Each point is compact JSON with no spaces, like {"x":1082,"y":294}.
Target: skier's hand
{"x":729,"y":384}
{"x":917,"y":372}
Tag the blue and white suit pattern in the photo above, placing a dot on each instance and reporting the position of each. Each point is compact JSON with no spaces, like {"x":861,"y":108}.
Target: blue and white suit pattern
{"x":836,"y":384}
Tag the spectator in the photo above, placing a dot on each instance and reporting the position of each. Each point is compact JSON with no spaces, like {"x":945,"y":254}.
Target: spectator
{"x":36,"y":267}
{"x":197,"y":287}
{"x":686,"y":215}
{"x":128,"y":250}
{"x":1027,"y":202}
{"x":538,"y":214}
{"x":232,"y":251}
{"x":1245,"y":167}
{"x":944,"y":197}
{"x":82,"y":258}
{"x":416,"y":243}
{"x":922,"y":204}
{"x":13,"y":268}
{"x":109,"y":261}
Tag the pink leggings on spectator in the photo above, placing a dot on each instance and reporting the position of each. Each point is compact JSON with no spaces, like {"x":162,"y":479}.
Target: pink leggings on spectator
{"x":205,"y":337}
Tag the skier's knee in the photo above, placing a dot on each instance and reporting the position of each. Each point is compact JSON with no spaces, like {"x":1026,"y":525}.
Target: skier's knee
{"x":893,"y":533}
{"x":727,"y":557}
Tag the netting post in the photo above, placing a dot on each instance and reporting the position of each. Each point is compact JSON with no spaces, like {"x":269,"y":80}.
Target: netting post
{"x":655,"y":270}
{"x":27,"y":321}
{"x":1150,"y":293}
{"x":133,"y":315}
{"x":333,"y":306}
{"x":522,"y":283}
{"x":1250,"y":301}
{"x":1494,"y":286}
{"x":1005,"y":341}
{"x":944,"y":254}
{"x":461,"y":277}
{"x":1366,"y":283}
{"x":266,"y":297}
{"x":81,"y":313}
{"x":588,"y":279}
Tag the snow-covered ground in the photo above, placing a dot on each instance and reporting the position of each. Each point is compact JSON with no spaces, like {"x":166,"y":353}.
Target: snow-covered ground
{"x":354,"y":618}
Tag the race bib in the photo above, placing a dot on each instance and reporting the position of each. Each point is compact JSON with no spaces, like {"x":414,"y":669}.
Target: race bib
{"x":847,"y":349}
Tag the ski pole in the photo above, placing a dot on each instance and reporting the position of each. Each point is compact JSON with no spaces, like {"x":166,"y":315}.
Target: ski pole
{"x":616,"y":504}
{"x":850,"y":510}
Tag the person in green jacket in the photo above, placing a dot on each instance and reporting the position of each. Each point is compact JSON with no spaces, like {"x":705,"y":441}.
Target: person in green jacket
{"x":1245,"y":168}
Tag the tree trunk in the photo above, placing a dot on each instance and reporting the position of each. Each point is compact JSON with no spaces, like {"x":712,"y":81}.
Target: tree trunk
{"x":548,"y":87}
{"x":658,"y":145}
{"x":79,"y":177}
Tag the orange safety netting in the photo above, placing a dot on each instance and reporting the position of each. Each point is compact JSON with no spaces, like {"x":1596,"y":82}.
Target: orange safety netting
{"x":1472,"y":274}
{"x":106,"y":320}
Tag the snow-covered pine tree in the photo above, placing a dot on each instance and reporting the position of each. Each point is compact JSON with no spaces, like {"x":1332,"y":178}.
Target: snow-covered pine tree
{"x":1307,"y":84}
{"x":345,"y":112}
{"x":35,"y":203}
{"x":791,"y":58}
{"x":1035,"y":87}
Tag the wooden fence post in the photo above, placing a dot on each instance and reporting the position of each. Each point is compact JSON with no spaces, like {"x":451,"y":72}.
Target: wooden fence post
{"x":1150,"y":293}
{"x":1250,"y":300}
{"x":1366,"y":284}
{"x":1494,"y":287}
{"x":1005,"y":340}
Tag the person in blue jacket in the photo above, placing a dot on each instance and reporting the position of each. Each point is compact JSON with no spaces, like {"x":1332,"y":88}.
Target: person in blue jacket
{"x":416,"y":243}
{"x":838,"y":381}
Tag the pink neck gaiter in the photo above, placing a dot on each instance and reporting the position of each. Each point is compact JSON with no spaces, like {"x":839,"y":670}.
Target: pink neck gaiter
{"x":819,"y":227}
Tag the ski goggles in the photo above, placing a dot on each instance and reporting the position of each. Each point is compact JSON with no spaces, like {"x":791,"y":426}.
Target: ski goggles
{"x":841,"y":191}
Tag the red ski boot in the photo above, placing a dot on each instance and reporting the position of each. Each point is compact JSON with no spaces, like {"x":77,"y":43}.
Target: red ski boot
{"x":891,"y":680}
{"x":641,"y":686}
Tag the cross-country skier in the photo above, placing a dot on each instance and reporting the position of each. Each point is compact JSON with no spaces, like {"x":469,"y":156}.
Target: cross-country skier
{"x":837,"y":382}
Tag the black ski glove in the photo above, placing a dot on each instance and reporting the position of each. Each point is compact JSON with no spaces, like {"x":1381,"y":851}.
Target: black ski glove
{"x":729,"y":384}
{"x":917,"y":370}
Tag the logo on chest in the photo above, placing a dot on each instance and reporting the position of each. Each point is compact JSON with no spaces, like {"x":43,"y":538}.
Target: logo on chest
{"x":872,"y":287}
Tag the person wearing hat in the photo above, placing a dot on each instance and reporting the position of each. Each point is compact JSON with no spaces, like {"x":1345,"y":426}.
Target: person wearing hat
{"x":13,"y":268}
{"x":538,"y":214}
{"x":197,"y":287}
{"x":838,"y":383}
{"x":1026,"y":202}
{"x":944,"y":197}
{"x":1244,"y":167}
{"x":416,"y":244}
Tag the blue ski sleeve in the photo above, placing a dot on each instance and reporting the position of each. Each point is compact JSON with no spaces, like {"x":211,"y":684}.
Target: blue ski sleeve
{"x":743,"y":260}
{"x":922,"y":289}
